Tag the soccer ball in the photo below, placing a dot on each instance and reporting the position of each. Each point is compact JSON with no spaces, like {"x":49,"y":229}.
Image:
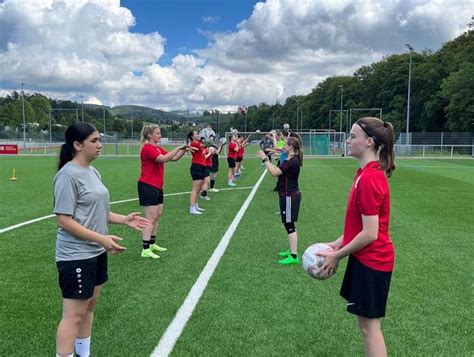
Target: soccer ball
{"x":313,"y":263}
{"x":286,"y":126}
{"x":257,"y":131}
{"x":223,"y":140}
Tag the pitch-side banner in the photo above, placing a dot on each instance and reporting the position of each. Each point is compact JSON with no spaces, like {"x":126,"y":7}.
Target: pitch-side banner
{"x":8,"y":149}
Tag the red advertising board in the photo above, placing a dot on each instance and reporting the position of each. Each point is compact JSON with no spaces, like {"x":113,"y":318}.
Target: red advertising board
{"x":9,"y":149}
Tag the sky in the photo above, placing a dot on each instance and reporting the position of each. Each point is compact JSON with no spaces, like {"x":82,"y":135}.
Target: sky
{"x":206,"y":54}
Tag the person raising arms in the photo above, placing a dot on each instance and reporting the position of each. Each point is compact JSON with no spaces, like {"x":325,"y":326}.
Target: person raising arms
{"x":289,"y":194}
{"x":366,"y":238}
{"x":81,"y":205}
{"x":198,"y":170}
{"x":150,"y":184}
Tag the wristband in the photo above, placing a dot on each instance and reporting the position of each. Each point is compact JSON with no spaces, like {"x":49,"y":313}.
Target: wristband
{"x":265,"y":160}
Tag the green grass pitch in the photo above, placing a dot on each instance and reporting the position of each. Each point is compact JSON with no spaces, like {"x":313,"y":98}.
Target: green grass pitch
{"x":252,"y":306}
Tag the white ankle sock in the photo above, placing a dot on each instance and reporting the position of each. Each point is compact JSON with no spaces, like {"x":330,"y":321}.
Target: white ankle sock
{"x":83,"y":346}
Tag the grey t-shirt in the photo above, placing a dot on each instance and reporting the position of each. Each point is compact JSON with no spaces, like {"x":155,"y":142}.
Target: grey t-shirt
{"x":80,"y":193}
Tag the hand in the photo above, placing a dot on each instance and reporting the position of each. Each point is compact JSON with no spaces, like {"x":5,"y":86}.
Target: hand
{"x":331,"y":260}
{"x":133,"y":220}
{"x":261,"y":154}
{"x":111,"y":245}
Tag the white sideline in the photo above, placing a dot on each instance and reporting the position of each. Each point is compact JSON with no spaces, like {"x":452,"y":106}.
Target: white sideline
{"x":15,"y":226}
{"x":174,"y":330}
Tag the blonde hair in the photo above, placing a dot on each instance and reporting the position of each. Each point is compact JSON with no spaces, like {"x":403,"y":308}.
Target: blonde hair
{"x":147,"y":130}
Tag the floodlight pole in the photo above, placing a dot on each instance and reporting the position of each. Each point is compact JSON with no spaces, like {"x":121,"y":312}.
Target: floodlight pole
{"x":340,"y":118}
{"x":103,"y":118}
{"x":408,"y":95}
{"x":23,"y":110}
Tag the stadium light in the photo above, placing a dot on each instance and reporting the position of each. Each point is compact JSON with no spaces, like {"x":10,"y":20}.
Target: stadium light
{"x":23,"y":109}
{"x":340,"y":118}
{"x":408,"y":95}
{"x":82,"y":107}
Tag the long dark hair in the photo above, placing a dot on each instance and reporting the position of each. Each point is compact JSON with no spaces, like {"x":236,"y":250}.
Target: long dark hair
{"x":382,"y":134}
{"x":189,"y":137}
{"x":76,"y":132}
{"x":295,"y":143}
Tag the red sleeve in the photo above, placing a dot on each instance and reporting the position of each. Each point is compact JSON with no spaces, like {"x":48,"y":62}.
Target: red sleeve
{"x":370,"y":195}
{"x":149,"y":153}
{"x":162,"y":150}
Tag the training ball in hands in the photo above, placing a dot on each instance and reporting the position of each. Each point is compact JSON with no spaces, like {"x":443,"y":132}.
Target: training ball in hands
{"x":223,"y":140}
{"x":312,"y":263}
{"x":286,"y":126}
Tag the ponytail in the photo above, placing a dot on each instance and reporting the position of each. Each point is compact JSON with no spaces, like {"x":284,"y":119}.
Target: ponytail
{"x":76,"y":132}
{"x":382,"y":134}
{"x":189,"y":137}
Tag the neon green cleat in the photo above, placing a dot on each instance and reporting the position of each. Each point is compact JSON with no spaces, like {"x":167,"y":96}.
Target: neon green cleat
{"x":147,"y":253}
{"x":289,"y":260}
{"x":157,"y":248}
{"x":284,"y":253}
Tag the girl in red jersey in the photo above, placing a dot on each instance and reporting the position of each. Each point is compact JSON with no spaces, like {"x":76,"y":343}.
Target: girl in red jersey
{"x":366,"y":237}
{"x":239,"y":159}
{"x":197,"y":170}
{"x":289,"y":194}
{"x":208,"y":154}
{"x":232,"y":150}
{"x":150,"y":184}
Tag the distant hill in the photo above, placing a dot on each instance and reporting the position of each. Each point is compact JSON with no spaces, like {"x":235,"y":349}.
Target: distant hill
{"x":146,"y":114}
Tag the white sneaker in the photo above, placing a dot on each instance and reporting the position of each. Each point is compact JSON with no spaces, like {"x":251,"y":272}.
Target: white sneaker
{"x":199,"y":209}
{"x":205,"y":198}
{"x":194,"y":211}
{"x":214,"y":190}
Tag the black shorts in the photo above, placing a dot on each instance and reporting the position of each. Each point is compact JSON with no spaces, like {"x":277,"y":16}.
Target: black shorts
{"x":239,"y":159}
{"x":197,"y":171}
{"x":149,"y":195}
{"x":231,"y":162}
{"x":290,"y":207}
{"x":78,"y":278}
{"x":365,"y":289}
{"x":215,"y":164}
{"x":207,"y":171}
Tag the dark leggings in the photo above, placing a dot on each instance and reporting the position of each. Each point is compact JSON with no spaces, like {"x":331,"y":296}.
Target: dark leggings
{"x":290,"y":227}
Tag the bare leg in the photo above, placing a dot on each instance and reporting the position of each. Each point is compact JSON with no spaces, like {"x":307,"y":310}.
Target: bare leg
{"x":374,"y":342}
{"x":153,"y":214}
{"x":293,"y":242}
{"x":197,"y":184}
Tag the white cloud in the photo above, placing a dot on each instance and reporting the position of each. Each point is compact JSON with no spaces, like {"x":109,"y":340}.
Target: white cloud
{"x":85,"y":47}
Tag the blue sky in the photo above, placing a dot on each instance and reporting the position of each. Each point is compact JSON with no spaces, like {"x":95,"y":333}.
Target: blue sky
{"x":184,"y":23}
{"x":207,"y":54}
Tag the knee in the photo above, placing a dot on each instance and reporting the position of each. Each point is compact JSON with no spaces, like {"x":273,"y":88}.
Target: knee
{"x":367,"y":328}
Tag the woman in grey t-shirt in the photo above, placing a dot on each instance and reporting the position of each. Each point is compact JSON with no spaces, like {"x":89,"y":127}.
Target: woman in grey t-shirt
{"x":81,"y":205}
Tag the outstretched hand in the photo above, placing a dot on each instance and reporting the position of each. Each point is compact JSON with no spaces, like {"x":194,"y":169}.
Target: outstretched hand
{"x":134,"y":220}
{"x":261,"y":154}
{"x":111,"y":245}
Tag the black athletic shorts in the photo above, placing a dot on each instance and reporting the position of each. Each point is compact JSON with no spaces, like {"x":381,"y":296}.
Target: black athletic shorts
{"x":290,"y":207}
{"x":78,"y":278}
{"x":197,"y":171}
{"x":207,"y":171}
{"x":231,"y":162}
{"x":149,"y":195}
{"x":215,"y":163}
{"x":239,"y":159}
{"x":365,"y":289}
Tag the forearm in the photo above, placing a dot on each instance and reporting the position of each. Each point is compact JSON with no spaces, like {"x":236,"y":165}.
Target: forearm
{"x":116,"y":218}
{"x":361,"y":240}
{"x":178,"y":155}
{"x":78,"y":230}
{"x":272,"y":169}
{"x":169,"y":156}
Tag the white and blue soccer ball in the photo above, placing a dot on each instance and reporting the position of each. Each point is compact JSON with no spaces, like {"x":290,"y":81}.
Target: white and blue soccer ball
{"x":286,"y":126}
{"x":312,"y":263}
{"x":223,"y":140}
{"x":257,"y":131}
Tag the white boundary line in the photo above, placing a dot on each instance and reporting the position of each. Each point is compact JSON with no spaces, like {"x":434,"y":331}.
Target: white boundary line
{"x":15,"y":226}
{"x":174,"y":330}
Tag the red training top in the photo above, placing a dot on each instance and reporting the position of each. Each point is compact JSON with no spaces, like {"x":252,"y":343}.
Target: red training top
{"x":209,"y":159}
{"x":152,"y":172}
{"x":198,"y":155}
{"x":240,"y":152}
{"x":231,"y":150}
{"x":370,"y":196}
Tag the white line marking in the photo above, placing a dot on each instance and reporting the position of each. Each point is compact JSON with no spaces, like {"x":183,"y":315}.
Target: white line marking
{"x":174,"y":330}
{"x":10,"y":228}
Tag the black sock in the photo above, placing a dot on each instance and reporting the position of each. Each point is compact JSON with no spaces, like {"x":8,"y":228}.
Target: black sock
{"x":294,"y":256}
{"x":204,"y":193}
{"x":153,"y":239}
{"x":146,"y":244}
{"x":213,"y":182}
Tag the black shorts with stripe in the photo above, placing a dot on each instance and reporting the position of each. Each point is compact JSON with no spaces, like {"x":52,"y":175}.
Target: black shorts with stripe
{"x":215,"y":163}
{"x":365,"y":289}
{"x":290,"y":207}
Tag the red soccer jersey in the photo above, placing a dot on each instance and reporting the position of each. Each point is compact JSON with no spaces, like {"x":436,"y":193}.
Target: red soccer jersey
{"x":370,"y":196}
{"x":152,"y":172}
{"x":240,"y":152}
{"x":198,"y":155}
{"x":231,"y":150}
{"x":209,"y":159}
